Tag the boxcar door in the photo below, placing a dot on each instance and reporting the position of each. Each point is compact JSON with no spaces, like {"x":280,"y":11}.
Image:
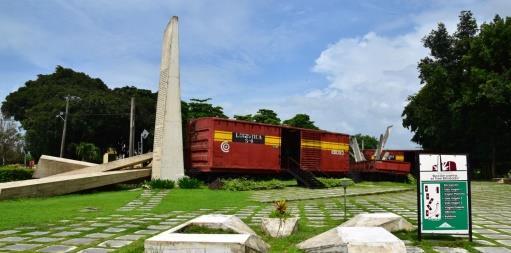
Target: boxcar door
{"x":290,"y":148}
{"x":311,"y":150}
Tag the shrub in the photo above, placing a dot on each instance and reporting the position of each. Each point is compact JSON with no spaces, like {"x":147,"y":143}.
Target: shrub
{"x":14,"y":173}
{"x":243,"y":184}
{"x":335,"y":182}
{"x":280,"y":210}
{"x":189,"y":183}
{"x":159,"y":184}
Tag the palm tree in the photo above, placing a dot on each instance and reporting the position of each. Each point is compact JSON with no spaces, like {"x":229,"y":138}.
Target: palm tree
{"x":87,"y":152}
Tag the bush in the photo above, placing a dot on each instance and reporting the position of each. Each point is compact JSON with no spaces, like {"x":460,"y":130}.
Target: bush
{"x":334,"y":182}
{"x":280,"y":210}
{"x":14,"y":173}
{"x":189,"y":183}
{"x":243,"y":184}
{"x":159,"y":184}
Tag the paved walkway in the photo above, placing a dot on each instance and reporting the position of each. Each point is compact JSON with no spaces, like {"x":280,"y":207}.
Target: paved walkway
{"x":491,"y":216}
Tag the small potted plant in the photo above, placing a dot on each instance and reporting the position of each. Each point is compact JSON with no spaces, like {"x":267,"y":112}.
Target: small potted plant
{"x":280,"y":223}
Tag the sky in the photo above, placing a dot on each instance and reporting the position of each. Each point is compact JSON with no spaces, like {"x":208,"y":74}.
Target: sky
{"x":350,"y":65}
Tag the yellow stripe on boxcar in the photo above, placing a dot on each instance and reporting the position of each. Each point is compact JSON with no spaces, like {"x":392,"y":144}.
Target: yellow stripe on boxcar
{"x":324,"y":145}
{"x":272,"y":140}
{"x":223,"y":136}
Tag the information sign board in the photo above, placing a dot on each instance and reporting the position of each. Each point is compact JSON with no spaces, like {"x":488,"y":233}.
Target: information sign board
{"x":444,"y":194}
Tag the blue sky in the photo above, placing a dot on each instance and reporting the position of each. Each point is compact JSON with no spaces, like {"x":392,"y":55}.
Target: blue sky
{"x":348,"y":64}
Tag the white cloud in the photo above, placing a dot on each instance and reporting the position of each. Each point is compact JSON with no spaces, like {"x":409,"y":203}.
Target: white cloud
{"x":371,"y":76}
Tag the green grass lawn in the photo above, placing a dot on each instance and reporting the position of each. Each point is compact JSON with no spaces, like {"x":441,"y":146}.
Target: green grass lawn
{"x":194,"y":199}
{"x":40,"y":211}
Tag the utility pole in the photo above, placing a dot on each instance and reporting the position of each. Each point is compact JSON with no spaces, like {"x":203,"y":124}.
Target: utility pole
{"x":65,"y":127}
{"x":132,"y":127}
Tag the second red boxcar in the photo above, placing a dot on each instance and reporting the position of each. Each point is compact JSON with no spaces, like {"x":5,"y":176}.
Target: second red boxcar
{"x":230,"y":146}
{"x":394,"y":155}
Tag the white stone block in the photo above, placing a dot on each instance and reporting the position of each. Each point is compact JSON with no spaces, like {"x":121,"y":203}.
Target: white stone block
{"x":244,"y":239}
{"x":354,"y":240}
{"x":276,"y":227}
{"x":389,"y":221}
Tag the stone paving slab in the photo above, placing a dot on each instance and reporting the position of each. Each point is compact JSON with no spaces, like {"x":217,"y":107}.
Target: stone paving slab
{"x":12,"y":239}
{"x":9,"y":232}
{"x":492,"y":250}
{"x":79,"y":241}
{"x":95,"y":250}
{"x":115,"y":243}
{"x":21,"y":247}
{"x":449,"y":250}
{"x":412,"y":249}
{"x":58,"y":249}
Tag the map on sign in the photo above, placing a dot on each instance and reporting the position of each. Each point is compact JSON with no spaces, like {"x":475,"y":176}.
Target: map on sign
{"x":444,"y":198}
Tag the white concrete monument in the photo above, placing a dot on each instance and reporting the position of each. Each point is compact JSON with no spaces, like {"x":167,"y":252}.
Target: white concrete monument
{"x":168,"y":161}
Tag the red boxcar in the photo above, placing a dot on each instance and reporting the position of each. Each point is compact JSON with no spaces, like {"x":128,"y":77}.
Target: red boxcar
{"x":231,"y":146}
{"x":386,"y":167}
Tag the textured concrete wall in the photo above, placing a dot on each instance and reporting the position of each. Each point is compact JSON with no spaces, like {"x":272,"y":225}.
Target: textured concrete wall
{"x":168,"y":162}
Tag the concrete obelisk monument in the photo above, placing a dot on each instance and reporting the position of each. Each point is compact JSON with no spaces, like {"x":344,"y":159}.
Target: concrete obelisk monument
{"x":168,"y":136}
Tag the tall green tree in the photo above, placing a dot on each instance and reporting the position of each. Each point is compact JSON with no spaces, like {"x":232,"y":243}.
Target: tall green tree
{"x":370,"y":142}
{"x":266,"y":116}
{"x":199,"y":108}
{"x":464,"y":104}
{"x":300,"y":120}
{"x":100,"y":116}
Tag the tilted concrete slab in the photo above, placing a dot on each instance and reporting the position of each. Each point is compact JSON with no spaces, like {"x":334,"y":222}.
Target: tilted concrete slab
{"x":354,"y":240}
{"x":389,"y":221}
{"x":244,"y":241}
{"x":58,"y":185}
{"x":51,"y":165}
{"x":114,"y":165}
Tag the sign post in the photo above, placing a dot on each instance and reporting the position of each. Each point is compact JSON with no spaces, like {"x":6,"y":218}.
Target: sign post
{"x":444,"y":205}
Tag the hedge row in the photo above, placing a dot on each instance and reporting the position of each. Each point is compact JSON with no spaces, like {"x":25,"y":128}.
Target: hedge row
{"x":13,"y":173}
{"x":244,"y":184}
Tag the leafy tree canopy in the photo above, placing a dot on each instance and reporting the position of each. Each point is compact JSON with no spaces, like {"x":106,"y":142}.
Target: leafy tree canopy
{"x":370,"y":142}
{"x":199,"y":108}
{"x":300,"y":120}
{"x":464,"y":104}
{"x":100,"y":116}
{"x":266,"y":116}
